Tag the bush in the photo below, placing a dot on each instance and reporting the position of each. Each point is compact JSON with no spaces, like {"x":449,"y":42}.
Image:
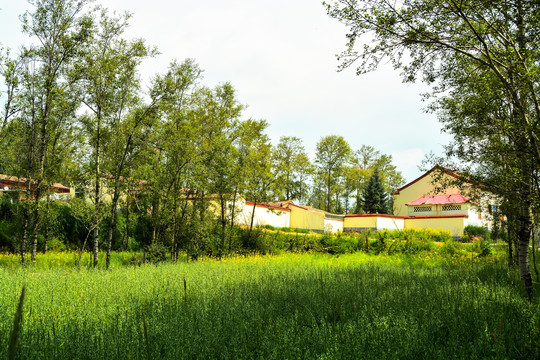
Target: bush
{"x":56,"y":244}
{"x":451,"y":247}
{"x":156,"y":253}
{"x":482,"y":247}
{"x":477,"y":232}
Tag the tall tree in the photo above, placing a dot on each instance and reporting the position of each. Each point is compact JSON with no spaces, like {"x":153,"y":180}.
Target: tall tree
{"x":60,"y":28}
{"x":331,"y":155}
{"x":289,"y":162}
{"x":497,"y":40}
{"x":256,"y":146}
{"x":175,"y":146}
{"x":110,"y":87}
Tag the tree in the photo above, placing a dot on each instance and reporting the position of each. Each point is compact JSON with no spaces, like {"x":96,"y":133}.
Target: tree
{"x":110,"y":87}
{"x":495,"y":41}
{"x":10,"y":70}
{"x":332,"y":153}
{"x":48,"y":100}
{"x":304,"y":171}
{"x":175,"y":146}
{"x":364,"y":163}
{"x":289,"y":161}
{"x":256,"y":149}
{"x":374,"y":197}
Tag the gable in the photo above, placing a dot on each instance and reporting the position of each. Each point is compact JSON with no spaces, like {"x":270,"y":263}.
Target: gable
{"x":430,"y":183}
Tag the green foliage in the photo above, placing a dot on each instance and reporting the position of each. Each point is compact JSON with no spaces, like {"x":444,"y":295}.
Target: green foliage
{"x":450,"y":248}
{"x":291,"y":168}
{"x":156,"y":253}
{"x":477,"y":231}
{"x":332,"y":154}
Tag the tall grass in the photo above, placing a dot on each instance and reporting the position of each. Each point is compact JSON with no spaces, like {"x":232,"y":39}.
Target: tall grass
{"x":275,"y":307}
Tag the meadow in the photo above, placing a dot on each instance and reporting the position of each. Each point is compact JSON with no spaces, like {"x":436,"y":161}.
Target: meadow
{"x":294,"y":306}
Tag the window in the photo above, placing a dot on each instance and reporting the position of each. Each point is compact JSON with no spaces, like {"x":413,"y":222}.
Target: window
{"x":422,"y":209}
{"x":451,"y":207}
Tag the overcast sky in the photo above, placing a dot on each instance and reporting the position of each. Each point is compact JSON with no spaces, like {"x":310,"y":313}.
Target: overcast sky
{"x":280,"y":57}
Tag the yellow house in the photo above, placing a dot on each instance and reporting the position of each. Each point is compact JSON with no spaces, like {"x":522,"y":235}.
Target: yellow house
{"x":442,"y":181}
{"x":433,"y":182}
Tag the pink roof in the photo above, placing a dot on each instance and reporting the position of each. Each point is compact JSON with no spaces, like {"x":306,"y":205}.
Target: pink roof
{"x":441,"y":200}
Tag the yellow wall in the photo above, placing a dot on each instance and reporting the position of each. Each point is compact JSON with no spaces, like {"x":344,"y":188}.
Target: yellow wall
{"x":424,"y":186}
{"x":453,"y":224}
{"x":360,"y":222}
{"x":381,"y":222}
{"x":306,"y":219}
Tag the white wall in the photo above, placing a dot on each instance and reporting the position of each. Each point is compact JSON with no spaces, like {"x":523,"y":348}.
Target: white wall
{"x":333,"y":226}
{"x":263,"y":216}
{"x":384,"y":223}
{"x":473,"y":216}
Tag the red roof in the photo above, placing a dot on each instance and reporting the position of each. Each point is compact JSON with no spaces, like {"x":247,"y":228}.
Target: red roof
{"x":22,"y":182}
{"x":441,"y":200}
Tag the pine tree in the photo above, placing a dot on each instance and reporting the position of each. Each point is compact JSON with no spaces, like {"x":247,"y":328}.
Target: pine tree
{"x":374,"y":197}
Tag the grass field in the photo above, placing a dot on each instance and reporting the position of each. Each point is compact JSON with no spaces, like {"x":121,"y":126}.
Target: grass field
{"x":273,"y":307}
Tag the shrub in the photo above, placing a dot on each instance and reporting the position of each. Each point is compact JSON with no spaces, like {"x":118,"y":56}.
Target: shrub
{"x":477,"y":231}
{"x":156,"y":253}
{"x":451,"y":247}
{"x":56,"y":244}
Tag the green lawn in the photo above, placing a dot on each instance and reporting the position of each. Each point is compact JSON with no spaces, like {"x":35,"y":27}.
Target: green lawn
{"x":284,"y":307}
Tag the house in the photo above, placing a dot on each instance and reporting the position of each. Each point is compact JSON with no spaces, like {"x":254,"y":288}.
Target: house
{"x":16,"y":187}
{"x":442,"y":198}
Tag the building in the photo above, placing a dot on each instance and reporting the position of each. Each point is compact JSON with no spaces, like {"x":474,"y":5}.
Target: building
{"x":439,"y":199}
{"x":16,"y":188}
{"x":442,"y":196}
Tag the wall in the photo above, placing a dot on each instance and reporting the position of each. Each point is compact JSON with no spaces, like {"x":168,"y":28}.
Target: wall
{"x":373,"y":222}
{"x":302,"y":218}
{"x":334,"y":226}
{"x":264,"y":215}
{"x":390,"y":223}
{"x":475,"y":218}
{"x":359,"y":222}
{"x":453,"y":223}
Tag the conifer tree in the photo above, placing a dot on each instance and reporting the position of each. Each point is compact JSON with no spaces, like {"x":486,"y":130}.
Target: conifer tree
{"x":374,"y":197}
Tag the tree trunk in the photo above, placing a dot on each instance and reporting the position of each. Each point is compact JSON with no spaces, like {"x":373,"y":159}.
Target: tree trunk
{"x":252,"y":218}
{"x":232,"y":218}
{"x":223,"y":221}
{"x":126,"y":235}
{"x":173,"y":234}
{"x":47,"y":223}
{"x":24,"y":234}
{"x":97,"y":190}
{"x":112,"y":223}
{"x":534,"y":255}
{"x":35,"y":230}
{"x":524,"y":237}
{"x":510,"y":252}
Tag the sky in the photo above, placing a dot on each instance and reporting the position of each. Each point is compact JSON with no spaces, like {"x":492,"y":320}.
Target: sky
{"x":280,"y":56}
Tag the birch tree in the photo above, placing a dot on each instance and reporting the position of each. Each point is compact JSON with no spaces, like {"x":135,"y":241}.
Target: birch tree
{"x":495,"y":41}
